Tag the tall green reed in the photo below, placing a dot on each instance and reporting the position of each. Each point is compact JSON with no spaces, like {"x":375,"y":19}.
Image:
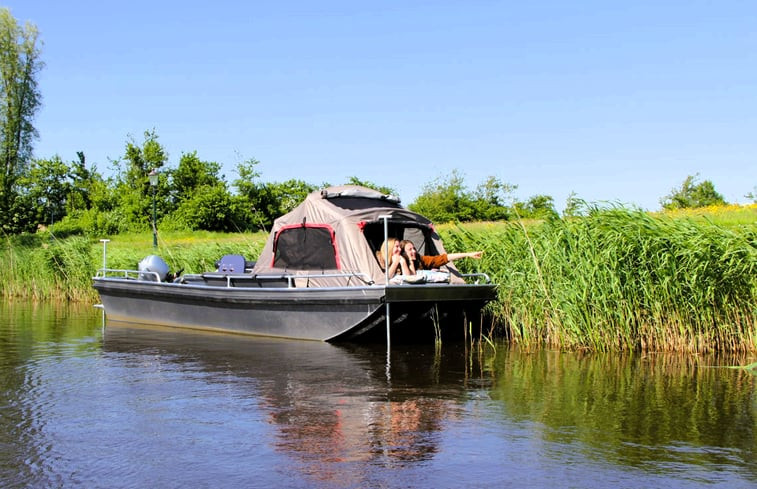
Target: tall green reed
{"x":38,"y":267}
{"x":621,"y":279}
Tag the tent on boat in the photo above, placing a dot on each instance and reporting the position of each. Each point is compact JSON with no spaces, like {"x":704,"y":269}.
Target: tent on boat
{"x":338,"y":230}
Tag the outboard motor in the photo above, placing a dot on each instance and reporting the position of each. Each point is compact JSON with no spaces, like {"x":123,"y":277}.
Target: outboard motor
{"x":153,"y":263}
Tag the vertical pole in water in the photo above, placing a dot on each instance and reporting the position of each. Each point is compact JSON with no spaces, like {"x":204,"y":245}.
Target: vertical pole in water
{"x":385,"y":252}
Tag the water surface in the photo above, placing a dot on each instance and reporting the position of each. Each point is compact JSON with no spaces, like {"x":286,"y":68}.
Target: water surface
{"x":82,"y":405}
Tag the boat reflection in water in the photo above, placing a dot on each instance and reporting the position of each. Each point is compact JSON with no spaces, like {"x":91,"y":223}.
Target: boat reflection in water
{"x":299,"y":413}
{"x":325,"y":405}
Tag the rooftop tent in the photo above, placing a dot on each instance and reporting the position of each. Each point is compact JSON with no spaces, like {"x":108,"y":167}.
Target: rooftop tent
{"x":339,"y":229}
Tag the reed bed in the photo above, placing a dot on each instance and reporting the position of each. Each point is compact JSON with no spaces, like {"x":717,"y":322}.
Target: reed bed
{"x":37,"y":267}
{"x":620,"y":279}
{"x":40,"y":267}
{"x":617,"y":279}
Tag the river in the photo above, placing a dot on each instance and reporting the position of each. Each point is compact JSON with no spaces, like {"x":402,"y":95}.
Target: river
{"x":94,"y":405}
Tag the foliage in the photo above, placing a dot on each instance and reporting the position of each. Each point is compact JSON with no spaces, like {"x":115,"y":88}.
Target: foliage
{"x":489,"y":200}
{"x":537,"y":207}
{"x":353,"y":180}
{"x":752,"y":195}
{"x":692,"y":194}
{"x":447,"y":200}
{"x":276,"y":199}
{"x":191,"y":174}
{"x":19,"y":101}
{"x":732,"y":216}
{"x":210,"y":208}
{"x":47,"y":187}
{"x":621,"y":279}
{"x":574,"y":206}
{"x":132,"y":187}
{"x":90,"y":222}
{"x":266,"y":202}
{"x":42,"y":267}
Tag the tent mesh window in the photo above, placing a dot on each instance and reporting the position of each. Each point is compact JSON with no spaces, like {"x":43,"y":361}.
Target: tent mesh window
{"x":309,"y":247}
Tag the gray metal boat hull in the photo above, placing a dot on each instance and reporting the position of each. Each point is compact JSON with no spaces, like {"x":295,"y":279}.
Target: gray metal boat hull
{"x":324,"y":314}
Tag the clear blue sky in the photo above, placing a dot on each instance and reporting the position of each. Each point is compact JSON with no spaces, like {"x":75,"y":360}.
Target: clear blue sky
{"x":615,"y":101}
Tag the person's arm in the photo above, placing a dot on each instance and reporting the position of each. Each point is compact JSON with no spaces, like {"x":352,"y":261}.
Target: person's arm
{"x":434,"y":261}
{"x":406,"y":271}
{"x":398,"y":262}
{"x":469,"y":254}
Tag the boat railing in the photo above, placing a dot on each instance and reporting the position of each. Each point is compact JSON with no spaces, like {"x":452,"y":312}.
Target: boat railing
{"x":130,"y":274}
{"x":232,"y":279}
{"x":478,"y":277}
{"x":282,"y":280}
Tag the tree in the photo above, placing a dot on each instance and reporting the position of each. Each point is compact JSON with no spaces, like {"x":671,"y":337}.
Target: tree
{"x":20,"y":99}
{"x":752,"y":195}
{"x":365,"y":183}
{"x":445,"y":200}
{"x":132,"y":183}
{"x":490,"y":200}
{"x":210,"y":208}
{"x":449,"y":200}
{"x":692,"y":195}
{"x":89,"y":203}
{"x":537,"y":207}
{"x":193,"y":173}
{"x":48,"y":187}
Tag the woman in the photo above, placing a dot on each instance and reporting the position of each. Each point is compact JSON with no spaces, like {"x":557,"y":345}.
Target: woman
{"x":417,"y":262}
{"x":391,"y":249}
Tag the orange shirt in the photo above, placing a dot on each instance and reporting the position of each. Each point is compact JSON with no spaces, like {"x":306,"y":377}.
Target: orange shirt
{"x":434,"y":261}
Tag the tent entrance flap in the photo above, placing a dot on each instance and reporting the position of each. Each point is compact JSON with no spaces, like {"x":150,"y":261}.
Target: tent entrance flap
{"x":420,"y":234}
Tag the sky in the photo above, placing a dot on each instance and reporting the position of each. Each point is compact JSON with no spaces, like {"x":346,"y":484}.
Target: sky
{"x":611,"y":102}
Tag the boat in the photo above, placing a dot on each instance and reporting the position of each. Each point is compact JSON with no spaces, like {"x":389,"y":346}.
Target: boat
{"x":317,"y":278}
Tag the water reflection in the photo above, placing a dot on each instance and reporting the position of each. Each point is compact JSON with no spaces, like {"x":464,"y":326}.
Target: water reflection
{"x":330,"y":405}
{"x":661,"y":413}
{"x":34,"y":339}
{"x":148,"y":407}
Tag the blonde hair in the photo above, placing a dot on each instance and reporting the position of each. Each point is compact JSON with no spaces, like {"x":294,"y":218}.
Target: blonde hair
{"x":384,"y":254}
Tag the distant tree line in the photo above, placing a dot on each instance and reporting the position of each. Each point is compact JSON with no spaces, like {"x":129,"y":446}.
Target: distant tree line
{"x":72,"y":197}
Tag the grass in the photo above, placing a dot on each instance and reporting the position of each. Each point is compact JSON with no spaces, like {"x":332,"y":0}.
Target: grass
{"x":194,"y":252}
{"x":40,"y":267}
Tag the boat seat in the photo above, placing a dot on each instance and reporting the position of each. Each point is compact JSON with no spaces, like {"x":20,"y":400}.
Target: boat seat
{"x":231,"y":264}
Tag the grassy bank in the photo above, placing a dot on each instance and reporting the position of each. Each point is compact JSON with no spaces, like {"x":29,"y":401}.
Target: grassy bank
{"x":617,"y":279}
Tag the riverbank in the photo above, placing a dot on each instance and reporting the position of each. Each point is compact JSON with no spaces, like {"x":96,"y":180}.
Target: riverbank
{"x":617,"y":279}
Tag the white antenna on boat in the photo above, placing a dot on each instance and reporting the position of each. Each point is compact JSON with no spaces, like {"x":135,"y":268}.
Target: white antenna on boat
{"x":105,"y":246}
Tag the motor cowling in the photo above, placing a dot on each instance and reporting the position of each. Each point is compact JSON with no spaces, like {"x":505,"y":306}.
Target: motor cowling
{"x":155,"y":264}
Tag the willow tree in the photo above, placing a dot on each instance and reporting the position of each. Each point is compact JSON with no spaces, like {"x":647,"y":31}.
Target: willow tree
{"x":19,"y":100}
